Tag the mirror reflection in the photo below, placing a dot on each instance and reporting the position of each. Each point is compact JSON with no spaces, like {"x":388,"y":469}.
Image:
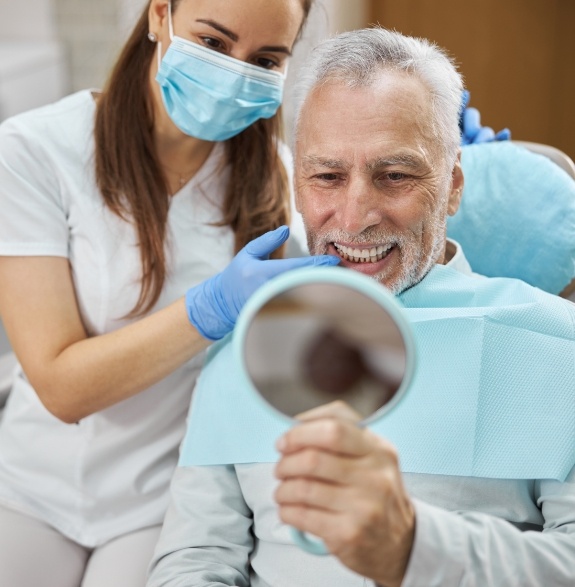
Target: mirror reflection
{"x":321,"y":342}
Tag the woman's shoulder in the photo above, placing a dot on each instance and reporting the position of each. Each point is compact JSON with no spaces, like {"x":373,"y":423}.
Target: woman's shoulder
{"x":52,"y":137}
{"x":54,"y":122}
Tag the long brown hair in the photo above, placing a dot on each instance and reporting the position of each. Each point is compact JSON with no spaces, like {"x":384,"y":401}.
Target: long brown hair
{"x":134,"y":186}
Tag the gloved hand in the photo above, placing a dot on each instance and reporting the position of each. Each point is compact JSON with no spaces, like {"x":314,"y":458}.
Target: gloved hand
{"x":471,"y":129}
{"x":213,"y":305}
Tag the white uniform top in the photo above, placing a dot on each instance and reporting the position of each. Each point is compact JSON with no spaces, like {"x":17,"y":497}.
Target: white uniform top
{"x":108,"y":474}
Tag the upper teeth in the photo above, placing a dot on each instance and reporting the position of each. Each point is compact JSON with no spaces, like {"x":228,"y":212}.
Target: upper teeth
{"x":363,"y":255}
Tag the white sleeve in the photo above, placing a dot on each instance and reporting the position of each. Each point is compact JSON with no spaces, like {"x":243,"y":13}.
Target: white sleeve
{"x":206,"y":538}
{"x":464,"y":549}
{"x":33,"y":220}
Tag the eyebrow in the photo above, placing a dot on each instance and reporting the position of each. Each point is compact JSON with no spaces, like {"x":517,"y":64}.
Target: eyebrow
{"x":379,"y":163}
{"x":323,"y":162}
{"x":235,"y":38}
{"x":222,"y":29}
{"x":401,"y":159}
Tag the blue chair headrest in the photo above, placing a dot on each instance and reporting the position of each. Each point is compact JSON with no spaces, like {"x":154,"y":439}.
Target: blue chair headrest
{"x":517,"y":216}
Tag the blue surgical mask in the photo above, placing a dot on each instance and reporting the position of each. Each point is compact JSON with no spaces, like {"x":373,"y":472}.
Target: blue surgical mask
{"x":211,"y":96}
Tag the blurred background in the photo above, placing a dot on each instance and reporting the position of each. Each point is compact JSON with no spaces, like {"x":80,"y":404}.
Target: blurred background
{"x":517,"y":56}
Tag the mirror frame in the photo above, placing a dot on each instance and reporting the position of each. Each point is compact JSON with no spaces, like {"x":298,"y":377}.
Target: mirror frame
{"x":327,"y":275}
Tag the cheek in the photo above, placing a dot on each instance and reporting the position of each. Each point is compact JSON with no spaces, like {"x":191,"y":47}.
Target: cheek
{"x":408,"y":212}
{"x":421,"y":206}
{"x":315,"y":207}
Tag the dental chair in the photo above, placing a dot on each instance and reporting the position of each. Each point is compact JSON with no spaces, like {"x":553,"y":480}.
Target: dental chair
{"x":517,"y":214}
{"x":557,"y":156}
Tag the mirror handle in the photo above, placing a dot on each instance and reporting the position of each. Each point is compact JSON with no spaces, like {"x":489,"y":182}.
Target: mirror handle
{"x":309,"y":544}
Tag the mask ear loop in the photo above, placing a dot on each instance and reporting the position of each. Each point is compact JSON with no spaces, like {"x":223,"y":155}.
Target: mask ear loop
{"x":170,"y":24}
{"x":170,"y":32}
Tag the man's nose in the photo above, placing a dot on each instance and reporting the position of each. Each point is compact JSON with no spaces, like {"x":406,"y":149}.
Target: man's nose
{"x":359,"y":207}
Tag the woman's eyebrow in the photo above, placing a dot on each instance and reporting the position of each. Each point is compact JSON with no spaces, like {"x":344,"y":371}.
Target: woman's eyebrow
{"x":235,"y":38}
{"x":278,"y":49}
{"x":222,"y":29}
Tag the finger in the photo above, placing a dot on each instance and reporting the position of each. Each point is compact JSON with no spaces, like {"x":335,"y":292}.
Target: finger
{"x":485,"y":135}
{"x":267,"y":243}
{"x":329,"y":434}
{"x":337,"y":409}
{"x":277,"y":266}
{"x":471,"y":123}
{"x":503,"y":135}
{"x":316,"y":465}
{"x":324,"y":524}
{"x":314,"y":493}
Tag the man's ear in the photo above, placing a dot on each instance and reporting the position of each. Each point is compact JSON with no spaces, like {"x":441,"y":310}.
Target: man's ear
{"x":457,"y":182}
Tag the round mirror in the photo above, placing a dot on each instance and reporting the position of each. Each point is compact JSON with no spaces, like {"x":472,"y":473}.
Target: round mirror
{"x":317,"y":339}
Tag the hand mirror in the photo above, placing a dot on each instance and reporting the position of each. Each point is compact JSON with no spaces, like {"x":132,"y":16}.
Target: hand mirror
{"x":317,"y":335}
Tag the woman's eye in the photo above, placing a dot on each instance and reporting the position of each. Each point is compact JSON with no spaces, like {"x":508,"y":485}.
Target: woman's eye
{"x":266,"y":63}
{"x":212,"y":43}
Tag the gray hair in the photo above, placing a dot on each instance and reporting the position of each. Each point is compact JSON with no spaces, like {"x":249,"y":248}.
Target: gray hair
{"x":355,"y":58}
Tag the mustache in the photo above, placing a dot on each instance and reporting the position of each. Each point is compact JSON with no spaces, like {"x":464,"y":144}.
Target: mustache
{"x":367,"y":237}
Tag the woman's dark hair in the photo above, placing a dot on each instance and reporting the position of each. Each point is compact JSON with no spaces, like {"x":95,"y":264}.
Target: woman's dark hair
{"x":134,"y":186}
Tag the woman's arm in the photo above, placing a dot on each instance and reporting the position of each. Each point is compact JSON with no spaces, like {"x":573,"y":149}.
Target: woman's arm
{"x":75,"y":375}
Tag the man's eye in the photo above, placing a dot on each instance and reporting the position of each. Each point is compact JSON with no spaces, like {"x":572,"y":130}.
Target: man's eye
{"x":327,"y":176}
{"x":395,"y":176}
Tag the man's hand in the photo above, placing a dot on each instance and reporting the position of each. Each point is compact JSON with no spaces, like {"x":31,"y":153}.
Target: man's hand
{"x":343,"y":484}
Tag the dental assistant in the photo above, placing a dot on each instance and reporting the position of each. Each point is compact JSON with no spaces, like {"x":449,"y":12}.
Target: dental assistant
{"x":121,"y":211}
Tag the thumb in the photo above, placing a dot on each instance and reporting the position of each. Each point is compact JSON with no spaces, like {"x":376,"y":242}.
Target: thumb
{"x":503,"y":135}
{"x":267,"y":243}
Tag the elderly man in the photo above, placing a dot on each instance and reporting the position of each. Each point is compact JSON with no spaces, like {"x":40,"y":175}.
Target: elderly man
{"x":377,"y":172}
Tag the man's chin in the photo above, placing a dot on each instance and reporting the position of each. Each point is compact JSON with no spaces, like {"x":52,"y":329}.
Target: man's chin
{"x":381,"y":270}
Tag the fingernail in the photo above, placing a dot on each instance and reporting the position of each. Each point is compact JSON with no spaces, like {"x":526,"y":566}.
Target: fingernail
{"x":281,"y":444}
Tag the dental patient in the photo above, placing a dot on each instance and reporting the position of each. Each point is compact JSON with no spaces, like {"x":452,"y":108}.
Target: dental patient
{"x":377,"y":172}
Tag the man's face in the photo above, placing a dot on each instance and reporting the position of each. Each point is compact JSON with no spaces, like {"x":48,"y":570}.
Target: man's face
{"x":371,"y":182}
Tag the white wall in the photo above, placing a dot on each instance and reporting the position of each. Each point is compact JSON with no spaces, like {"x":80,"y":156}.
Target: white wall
{"x":128,"y":13}
{"x":33,"y":63}
{"x":327,"y":18}
{"x":27,"y":19}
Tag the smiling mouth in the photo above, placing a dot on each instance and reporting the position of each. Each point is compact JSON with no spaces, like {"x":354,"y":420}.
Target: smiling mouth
{"x":367,"y":255}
